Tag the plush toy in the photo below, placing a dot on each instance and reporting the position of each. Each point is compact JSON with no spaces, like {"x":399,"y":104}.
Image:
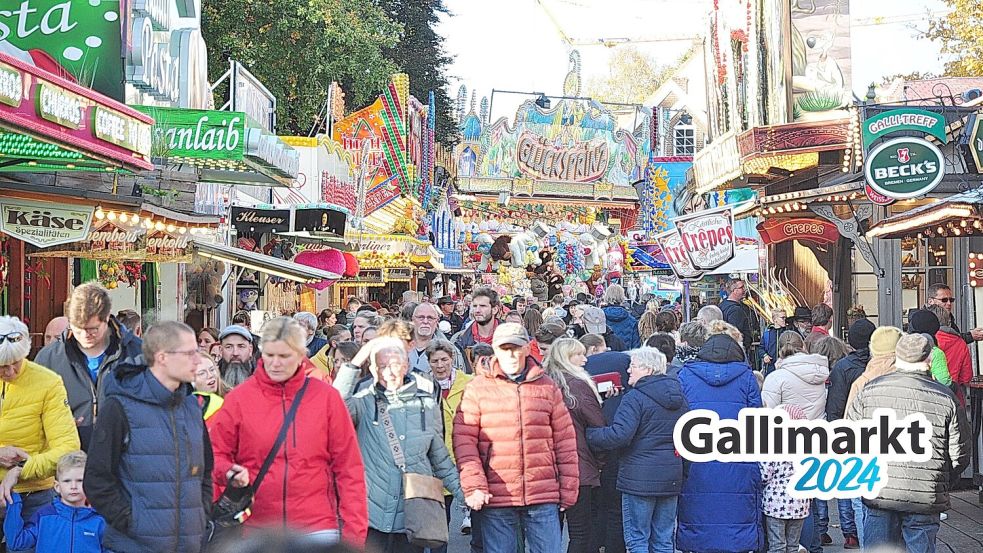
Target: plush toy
{"x":524,"y":247}
{"x":485,"y":242}
{"x":500,"y":249}
{"x":247,"y":300}
{"x":545,"y":263}
{"x":615,"y":262}
{"x":592,"y":251}
{"x":539,"y":288}
{"x":554,"y":284}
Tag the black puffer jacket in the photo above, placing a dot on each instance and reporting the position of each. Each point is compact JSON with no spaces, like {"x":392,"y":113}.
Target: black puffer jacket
{"x":841,"y":378}
{"x":921,"y":488}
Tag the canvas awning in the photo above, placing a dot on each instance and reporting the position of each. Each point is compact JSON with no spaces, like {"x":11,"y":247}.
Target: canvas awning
{"x":264,"y":263}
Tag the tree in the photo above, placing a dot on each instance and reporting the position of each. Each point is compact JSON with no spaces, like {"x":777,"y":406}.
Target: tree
{"x":632,"y":77}
{"x":960,"y":33}
{"x":297,"y":47}
{"x":420,"y":54}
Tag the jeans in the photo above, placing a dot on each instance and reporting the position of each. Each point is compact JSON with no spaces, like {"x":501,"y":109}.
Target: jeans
{"x":783,"y":535}
{"x":650,"y":523}
{"x":32,"y":502}
{"x":810,"y":538}
{"x":859,"y":510}
{"x":609,"y":526}
{"x":894,"y":528}
{"x":500,"y":527}
{"x":822,"y":511}
{"x":580,"y":519}
{"x":848,"y":524}
{"x":477,"y":546}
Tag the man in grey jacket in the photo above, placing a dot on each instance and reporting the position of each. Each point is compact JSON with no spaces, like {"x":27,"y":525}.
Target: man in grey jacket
{"x":909,"y":505}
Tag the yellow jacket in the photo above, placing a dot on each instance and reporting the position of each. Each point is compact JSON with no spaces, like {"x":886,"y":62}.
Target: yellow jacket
{"x":35,"y":416}
{"x":320,"y":360}
{"x":450,"y":405}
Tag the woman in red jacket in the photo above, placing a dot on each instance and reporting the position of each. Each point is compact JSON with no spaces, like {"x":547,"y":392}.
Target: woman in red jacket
{"x":317,"y":476}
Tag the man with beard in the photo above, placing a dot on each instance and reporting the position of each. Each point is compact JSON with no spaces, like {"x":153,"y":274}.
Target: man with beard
{"x":238,"y":360}
{"x":484,"y":321}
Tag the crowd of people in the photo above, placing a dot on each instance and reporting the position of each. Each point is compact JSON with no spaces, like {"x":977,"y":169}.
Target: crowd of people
{"x":531,"y":418}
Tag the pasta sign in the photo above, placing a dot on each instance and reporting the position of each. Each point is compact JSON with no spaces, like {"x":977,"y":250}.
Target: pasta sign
{"x":708,"y":237}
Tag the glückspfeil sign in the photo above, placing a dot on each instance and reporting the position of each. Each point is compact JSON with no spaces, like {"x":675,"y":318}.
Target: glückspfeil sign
{"x":905,"y":167}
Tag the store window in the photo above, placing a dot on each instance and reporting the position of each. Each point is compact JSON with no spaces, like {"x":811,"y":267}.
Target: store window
{"x":684,"y":140}
{"x":924,"y":262}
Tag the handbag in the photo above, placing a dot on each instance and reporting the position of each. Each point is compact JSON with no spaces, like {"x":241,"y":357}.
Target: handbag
{"x":423,"y":496}
{"x":232,"y":508}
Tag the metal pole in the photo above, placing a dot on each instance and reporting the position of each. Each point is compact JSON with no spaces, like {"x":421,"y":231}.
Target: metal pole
{"x":686,"y":309}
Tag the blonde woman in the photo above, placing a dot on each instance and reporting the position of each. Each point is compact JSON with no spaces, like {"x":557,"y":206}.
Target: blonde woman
{"x":647,"y":325}
{"x":317,"y":463}
{"x":565,"y":366}
{"x":209,"y":386}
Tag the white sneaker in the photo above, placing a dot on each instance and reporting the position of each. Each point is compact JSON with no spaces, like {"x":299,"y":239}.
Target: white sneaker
{"x":803,"y":549}
{"x":943,"y":516}
{"x":466,"y":523}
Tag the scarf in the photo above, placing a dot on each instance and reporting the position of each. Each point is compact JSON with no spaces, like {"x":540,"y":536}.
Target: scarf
{"x":686,"y":353}
{"x":446,"y":384}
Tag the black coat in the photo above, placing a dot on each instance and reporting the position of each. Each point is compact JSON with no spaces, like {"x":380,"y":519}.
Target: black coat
{"x":738,"y":315}
{"x":841,"y":378}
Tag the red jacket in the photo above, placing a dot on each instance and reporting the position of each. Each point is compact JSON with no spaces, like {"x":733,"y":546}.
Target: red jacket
{"x":516,"y":441}
{"x":957,"y":356}
{"x":319,"y":457}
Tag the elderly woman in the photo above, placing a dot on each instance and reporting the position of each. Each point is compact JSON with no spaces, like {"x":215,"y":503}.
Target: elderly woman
{"x":314,"y":342}
{"x":650,"y":474}
{"x":398,"y":405}
{"x":37,"y":426}
{"x":451,"y":380}
{"x":317,"y":479}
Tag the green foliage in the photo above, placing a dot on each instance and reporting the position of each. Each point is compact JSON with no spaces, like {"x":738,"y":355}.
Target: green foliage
{"x":420,"y":54}
{"x":961,"y":35}
{"x":297,"y":47}
{"x":632,"y":77}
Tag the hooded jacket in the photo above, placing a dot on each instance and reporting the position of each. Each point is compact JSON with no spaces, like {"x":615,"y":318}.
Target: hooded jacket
{"x":316,"y":477}
{"x":918,"y":487}
{"x":643,"y":426}
{"x":54,"y":528}
{"x":416,"y":419}
{"x":84,"y":396}
{"x":957,"y":356}
{"x":720,"y":504}
{"x":147,"y":472}
{"x":586,"y":414}
{"x":620,"y":320}
{"x":841,"y":377}
{"x":879,"y":365}
{"x":515,"y":440}
{"x":35,"y":418}
{"x":799,"y":380}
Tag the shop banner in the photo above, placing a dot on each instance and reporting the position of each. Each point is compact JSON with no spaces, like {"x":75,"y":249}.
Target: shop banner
{"x":115,"y":239}
{"x":675,"y":252}
{"x":44,"y":224}
{"x":251,"y":219}
{"x":708,"y":237}
{"x":905,"y":167}
{"x":976,"y":141}
{"x":41,"y":109}
{"x":907,"y":119}
{"x":163,"y":245}
{"x":776,"y":231}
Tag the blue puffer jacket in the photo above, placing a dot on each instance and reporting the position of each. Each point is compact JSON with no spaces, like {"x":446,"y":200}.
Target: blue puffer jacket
{"x":161,"y":467}
{"x":54,"y":528}
{"x":643,"y":426}
{"x":720,"y":506}
{"x":624,"y":325}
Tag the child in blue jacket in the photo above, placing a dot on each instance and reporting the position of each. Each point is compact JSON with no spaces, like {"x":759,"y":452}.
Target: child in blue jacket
{"x":65,"y":525}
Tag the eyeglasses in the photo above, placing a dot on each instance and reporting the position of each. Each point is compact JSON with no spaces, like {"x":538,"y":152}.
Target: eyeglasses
{"x":90,"y":330}
{"x":13,"y":337}
{"x":425,"y":318}
{"x":189,"y":354}
{"x":945,"y":300}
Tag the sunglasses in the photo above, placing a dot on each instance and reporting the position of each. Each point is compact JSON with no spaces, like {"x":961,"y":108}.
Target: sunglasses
{"x":13,"y":337}
{"x":945,"y":300}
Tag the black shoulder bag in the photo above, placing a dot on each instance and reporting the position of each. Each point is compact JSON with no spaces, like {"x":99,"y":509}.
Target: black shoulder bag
{"x":232,"y":508}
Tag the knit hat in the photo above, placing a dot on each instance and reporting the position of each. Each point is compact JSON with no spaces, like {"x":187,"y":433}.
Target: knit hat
{"x":860,"y":332}
{"x":913,"y":348}
{"x":923,"y":321}
{"x":884,"y":340}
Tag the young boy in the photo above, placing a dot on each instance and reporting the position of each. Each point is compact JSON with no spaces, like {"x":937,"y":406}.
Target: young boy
{"x":66,"y":525}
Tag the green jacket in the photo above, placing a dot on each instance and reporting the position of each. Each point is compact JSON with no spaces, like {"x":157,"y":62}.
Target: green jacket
{"x":416,"y":419}
{"x":940,"y":367}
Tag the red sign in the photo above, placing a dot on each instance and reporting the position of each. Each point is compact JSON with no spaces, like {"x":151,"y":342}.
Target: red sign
{"x":876,"y":197}
{"x":774,"y":231}
{"x":57,"y":111}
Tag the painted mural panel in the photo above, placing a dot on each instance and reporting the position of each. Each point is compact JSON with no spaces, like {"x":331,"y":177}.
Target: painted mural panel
{"x":821,"y":66}
{"x":577,"y":141}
